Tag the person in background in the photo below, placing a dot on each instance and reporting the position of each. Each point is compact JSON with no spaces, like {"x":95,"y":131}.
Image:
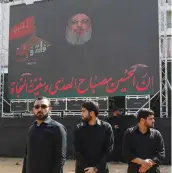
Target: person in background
{"x":115,"y":122}
{"x":143,"y":146}
{"x":93,"y":141}
{"x":46,"y":142}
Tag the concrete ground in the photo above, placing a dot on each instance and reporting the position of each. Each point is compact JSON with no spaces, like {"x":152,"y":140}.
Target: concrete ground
{"x":14,"y":165}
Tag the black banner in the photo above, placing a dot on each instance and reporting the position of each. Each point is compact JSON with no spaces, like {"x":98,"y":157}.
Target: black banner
{"x":83,"y":48}
{"x":137,"y":103}
{"x":58,"y":105}
{"x":30,"y":105}
{"x":74,"y":105}
{"x":103,"y":105}
{"x":18,"y":106}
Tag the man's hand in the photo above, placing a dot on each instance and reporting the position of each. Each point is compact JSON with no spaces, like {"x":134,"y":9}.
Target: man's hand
{"x":90,"y":170}
{"x":145,"y":165}
{"x":142,"y":169}
{"x":153,"y":163}
{"x":116,"y":126}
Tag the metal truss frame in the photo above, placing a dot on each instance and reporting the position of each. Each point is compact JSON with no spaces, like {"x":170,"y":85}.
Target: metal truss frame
{"x":163,"y":58}
{"x":2,"y":57}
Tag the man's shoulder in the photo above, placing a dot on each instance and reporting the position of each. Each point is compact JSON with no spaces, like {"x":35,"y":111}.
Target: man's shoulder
{"x":32,"y":126}
{"x":102,"y":123}
{"x":80,"y":125}
{"x":131,"y":130}
{"x":105,"y":124}
{"x":155,"y":131}
{"x":57,"y":125}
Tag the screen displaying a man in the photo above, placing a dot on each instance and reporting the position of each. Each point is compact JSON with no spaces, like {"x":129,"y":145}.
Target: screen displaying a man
{"x":78,"y":30}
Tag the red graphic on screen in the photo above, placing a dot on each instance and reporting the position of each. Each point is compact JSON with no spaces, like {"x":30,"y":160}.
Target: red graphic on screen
{"x":36,"y":85}
{"x":22,"y":29}
{"x":32,"y":46}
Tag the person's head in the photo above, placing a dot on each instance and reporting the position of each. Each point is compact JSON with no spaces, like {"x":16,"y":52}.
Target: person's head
{"x":41,"y":108}
{"x":89,"y":111}
{"x":116,"y":112}
{"x":78,"y":30}
{"x":145,"y":117}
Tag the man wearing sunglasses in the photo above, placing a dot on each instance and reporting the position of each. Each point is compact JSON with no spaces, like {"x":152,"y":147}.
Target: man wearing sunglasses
{"x":46,"y":142}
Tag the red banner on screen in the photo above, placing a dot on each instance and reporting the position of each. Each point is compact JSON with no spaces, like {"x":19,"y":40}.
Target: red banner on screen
{"x":22,"y":29}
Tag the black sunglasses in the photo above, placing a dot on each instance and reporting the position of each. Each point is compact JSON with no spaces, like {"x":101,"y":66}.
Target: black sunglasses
{"x":42,"y":106}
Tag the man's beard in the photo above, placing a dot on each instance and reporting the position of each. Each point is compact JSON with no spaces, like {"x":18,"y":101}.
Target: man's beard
{"x":86,"y":119}
{"x":149,"y":125}
{"x":41,"y":116}
{"x":76,"y":39}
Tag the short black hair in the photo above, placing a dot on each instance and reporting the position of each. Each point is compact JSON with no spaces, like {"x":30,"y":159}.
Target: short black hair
{"x":42,"y":98}
{"x":144,"y":113}
{"x":115,"y":109}
{"x":91,"y":106}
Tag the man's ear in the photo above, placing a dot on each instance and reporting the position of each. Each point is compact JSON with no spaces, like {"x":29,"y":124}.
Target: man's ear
{"x":91,"y":113}
{"x":50,"y":108}
{"x":142,"y":120}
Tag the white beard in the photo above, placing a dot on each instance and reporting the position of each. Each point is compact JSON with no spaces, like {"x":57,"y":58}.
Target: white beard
{"x":76,"y":39}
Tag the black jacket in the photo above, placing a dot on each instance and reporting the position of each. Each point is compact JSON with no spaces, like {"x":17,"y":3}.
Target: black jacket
{"x":149,"y":145}
{"x":92,"y":146}
{"x":46,"y":148}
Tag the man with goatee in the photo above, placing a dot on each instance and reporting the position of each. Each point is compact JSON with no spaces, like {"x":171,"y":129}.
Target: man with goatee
{"x":46,"y":142}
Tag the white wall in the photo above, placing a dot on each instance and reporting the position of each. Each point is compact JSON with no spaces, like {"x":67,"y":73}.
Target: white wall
{"x":4,"y":31}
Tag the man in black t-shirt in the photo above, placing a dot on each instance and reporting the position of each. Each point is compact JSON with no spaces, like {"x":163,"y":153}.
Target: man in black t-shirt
{"x":93,"y":141}
{"x":143,"y":146}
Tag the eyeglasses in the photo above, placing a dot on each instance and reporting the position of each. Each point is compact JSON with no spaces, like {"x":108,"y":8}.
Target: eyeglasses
{"x":42,"y":106}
